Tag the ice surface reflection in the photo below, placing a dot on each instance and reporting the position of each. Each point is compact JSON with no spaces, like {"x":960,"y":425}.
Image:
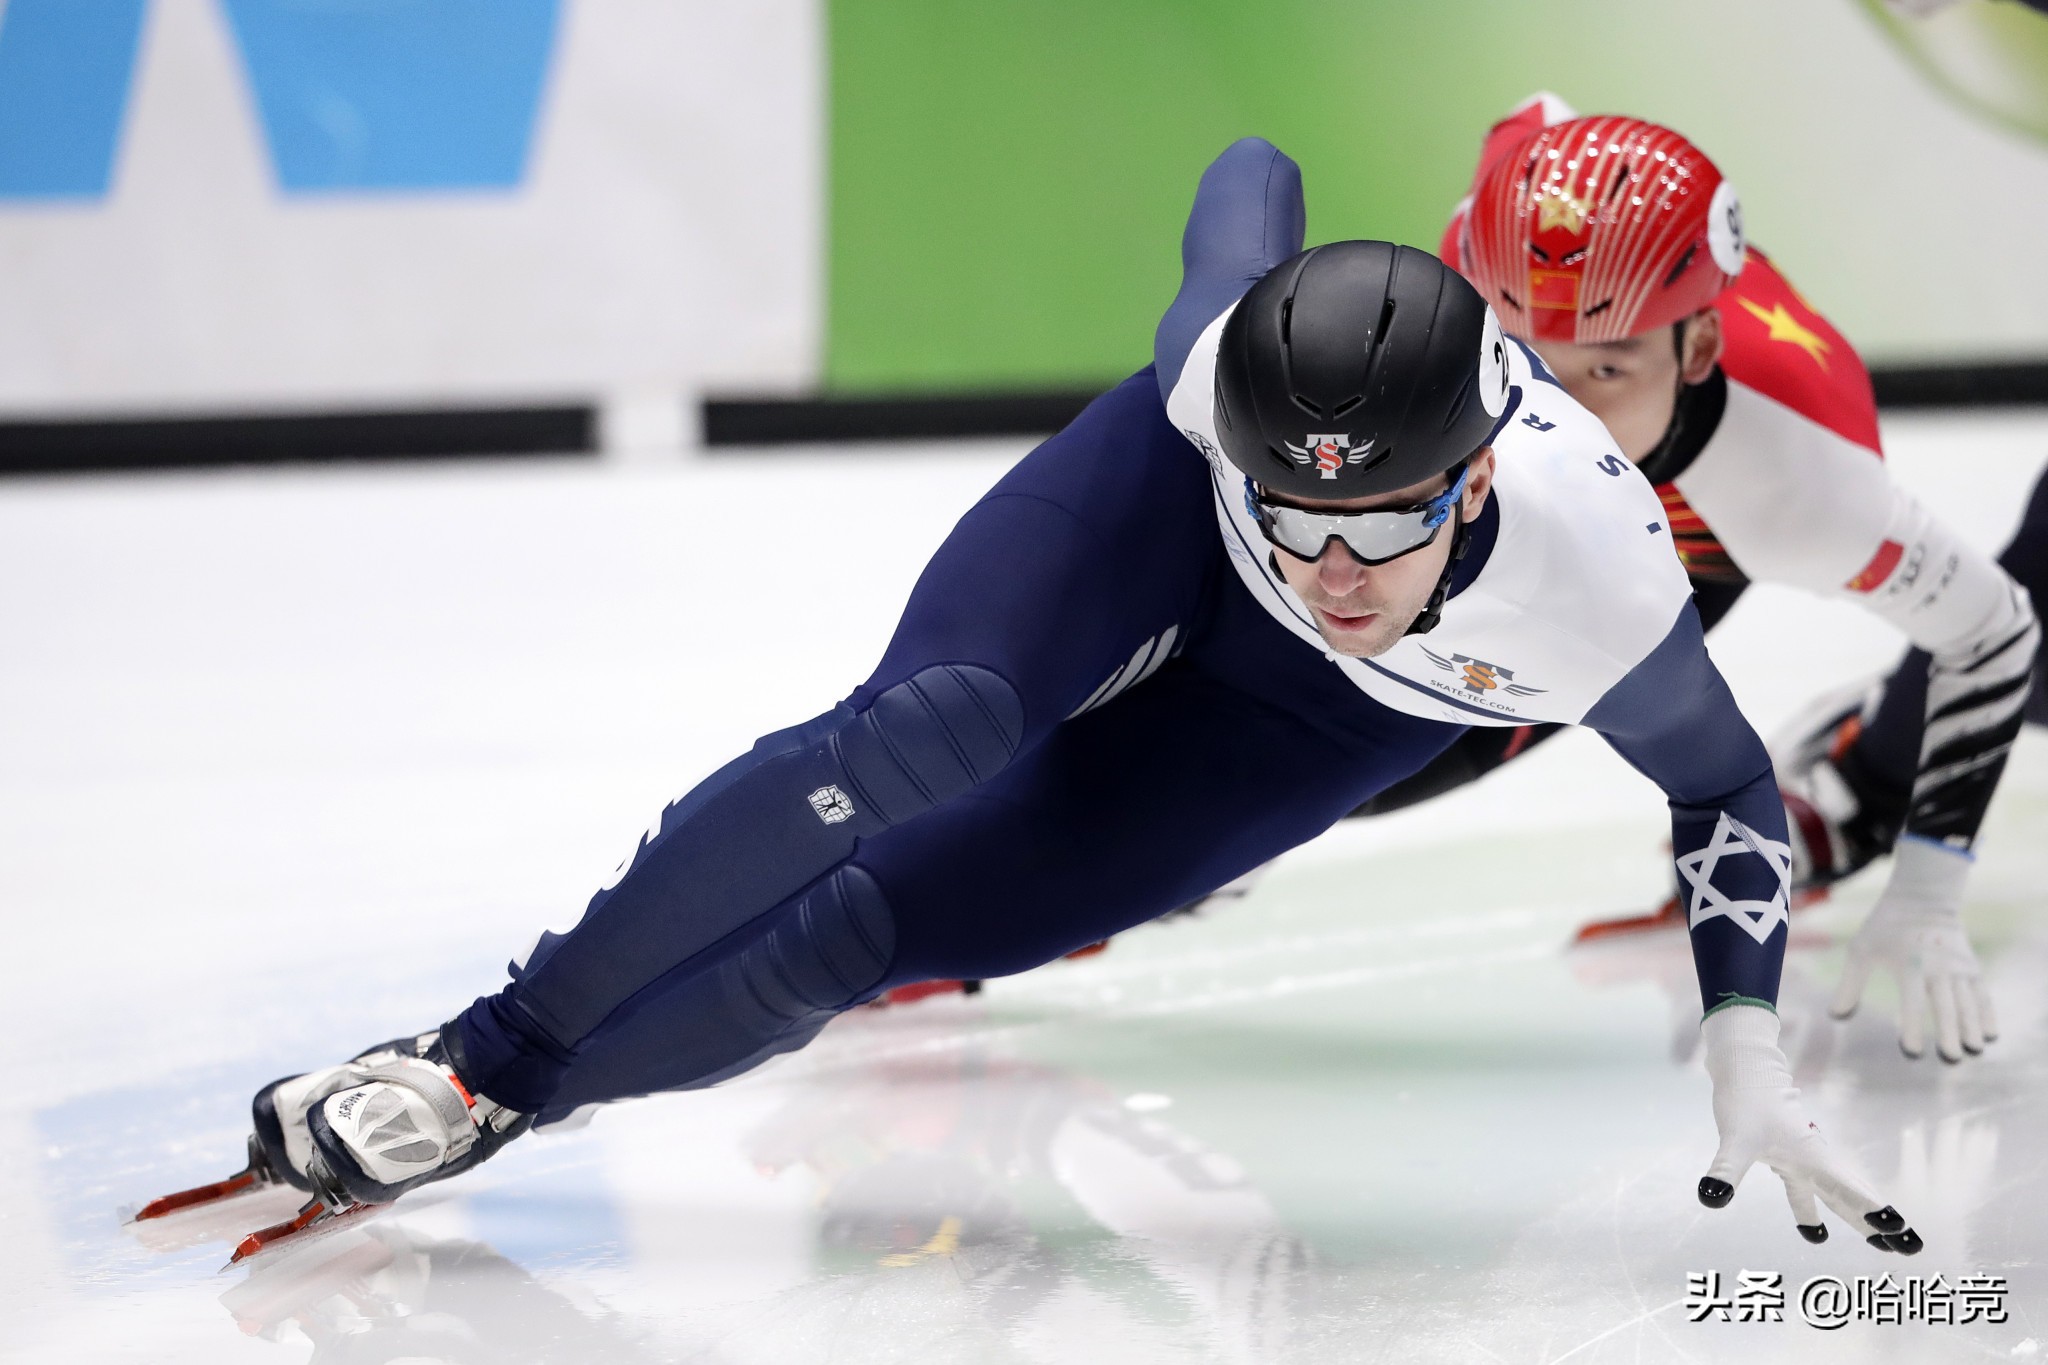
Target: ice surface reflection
{"x":1373,"y":1111}
{"x":941,"y":1194}
{"x":1053,"y":1198}
{"x":998,"y":1201}
{"x":387,"y":1293}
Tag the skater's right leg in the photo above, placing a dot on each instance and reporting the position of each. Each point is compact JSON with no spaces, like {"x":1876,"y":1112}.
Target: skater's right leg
{"x":1121,"y":815}
{"x":1075,"y":574}
{"x":729,"y":866}
{"x":768,"y":827}
{"x":1074,"y":577}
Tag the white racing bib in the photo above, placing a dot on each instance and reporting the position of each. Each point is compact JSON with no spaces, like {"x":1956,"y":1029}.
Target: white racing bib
{"x":1581,"y":584}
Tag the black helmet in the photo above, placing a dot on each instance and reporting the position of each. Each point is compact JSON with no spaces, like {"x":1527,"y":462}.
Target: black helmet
{"x":1358,"y":368}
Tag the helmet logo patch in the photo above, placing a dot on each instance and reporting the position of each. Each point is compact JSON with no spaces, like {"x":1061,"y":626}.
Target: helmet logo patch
{"x":1724,"y":229}
{"x":1557,"y":207}
{"x":1555,"y":289}
{"x":1493,"y":366}
{"x":1601,"y":228}
{"x":1329,"y":452}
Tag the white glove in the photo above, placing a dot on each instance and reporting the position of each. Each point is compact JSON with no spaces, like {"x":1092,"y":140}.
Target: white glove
{"x":1916,"y":934}
{"x":1757,"y":1109}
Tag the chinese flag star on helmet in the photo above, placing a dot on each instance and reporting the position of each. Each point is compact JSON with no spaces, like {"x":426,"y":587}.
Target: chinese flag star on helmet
{"x":1597,"y":229}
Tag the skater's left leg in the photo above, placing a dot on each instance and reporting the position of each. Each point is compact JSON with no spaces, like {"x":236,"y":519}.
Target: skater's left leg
{"x":1124,"y":814}
{"x":1119,"y":815}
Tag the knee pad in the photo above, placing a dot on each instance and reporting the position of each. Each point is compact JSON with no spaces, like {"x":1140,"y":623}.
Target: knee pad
{"x":928,"y":739}
{"x":823,"y":952}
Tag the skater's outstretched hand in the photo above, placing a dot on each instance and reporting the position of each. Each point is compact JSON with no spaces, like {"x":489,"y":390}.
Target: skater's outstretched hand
{"x":1757,"y":1109}
{"x":1916,"y":934}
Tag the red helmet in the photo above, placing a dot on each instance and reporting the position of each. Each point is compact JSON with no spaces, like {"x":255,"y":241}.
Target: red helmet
{"x":1601,"y":228}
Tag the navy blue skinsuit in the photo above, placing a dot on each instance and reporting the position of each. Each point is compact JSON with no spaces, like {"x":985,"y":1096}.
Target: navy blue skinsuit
{"x":1083,"y":720}
{"x":1243,"y":743}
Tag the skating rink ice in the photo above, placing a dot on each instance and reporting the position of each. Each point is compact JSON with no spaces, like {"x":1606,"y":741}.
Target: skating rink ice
{"x":291,"y":762}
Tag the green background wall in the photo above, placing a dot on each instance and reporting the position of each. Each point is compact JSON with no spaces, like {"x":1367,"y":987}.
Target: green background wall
{"x":1008,"y":180}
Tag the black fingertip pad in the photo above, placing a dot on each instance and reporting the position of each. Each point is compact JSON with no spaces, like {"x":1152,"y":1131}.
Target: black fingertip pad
{"x":1886,"y":1219}
{"x":1906,"y":1243}
{"x":1815,"y":1233}
{"x":1715,"y":1194}
{"x":1878,"y":1240}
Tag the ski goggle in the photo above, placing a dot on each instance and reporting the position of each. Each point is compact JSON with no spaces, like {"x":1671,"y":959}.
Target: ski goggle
{"x":1374,"y":537}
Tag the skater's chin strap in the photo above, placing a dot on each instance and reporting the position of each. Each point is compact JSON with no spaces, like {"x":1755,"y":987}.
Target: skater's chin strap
{"x":1695,"y":417}
{"x":1433,"y":611}
{"x":1471,"y":546}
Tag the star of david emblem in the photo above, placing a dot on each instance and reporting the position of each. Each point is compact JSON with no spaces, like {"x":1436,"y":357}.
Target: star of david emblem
{"x":1731,"y":838}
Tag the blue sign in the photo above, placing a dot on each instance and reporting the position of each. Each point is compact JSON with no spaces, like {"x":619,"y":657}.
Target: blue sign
{"x":396,"y":94}
{"x":353,"y":95}
{"x":64,"y":75}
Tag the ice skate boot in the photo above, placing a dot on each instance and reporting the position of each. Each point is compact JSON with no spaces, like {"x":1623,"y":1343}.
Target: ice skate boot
{"x":279,"y":1142}
{"x":400,"y":1116}
{"x":1840,"y":818}
{"x":405,"y":1121}
{"x":279,"y":1111}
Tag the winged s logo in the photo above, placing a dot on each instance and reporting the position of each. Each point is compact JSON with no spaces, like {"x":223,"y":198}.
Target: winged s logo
{"x":1329,"y":452}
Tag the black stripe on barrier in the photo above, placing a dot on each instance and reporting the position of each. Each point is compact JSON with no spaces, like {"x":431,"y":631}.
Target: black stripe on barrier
{"x":906,"y":417}
{"x":47,"y":447}
{"x":69,"y":445}
{"x":1997,"y":384}
{"x":793,"y":421}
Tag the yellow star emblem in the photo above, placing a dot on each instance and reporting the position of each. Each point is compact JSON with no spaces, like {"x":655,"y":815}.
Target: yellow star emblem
{"x":1785,"y":327}
{"x":1558,"y":209}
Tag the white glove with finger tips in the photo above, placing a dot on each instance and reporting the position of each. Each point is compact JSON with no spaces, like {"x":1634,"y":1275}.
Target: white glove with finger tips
{"x":1916,"y":934}
{"x":1757,"y":1109}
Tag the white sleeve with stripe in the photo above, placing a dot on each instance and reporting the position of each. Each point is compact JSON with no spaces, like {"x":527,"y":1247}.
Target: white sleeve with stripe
{"x":1793,"y":502}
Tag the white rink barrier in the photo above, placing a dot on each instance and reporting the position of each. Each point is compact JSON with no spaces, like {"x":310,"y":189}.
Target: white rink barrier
{"x":247,"y":207}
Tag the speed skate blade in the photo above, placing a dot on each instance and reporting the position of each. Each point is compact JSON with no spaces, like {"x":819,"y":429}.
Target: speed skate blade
{"x":919,"y":990}
{"x":197,"y":1196}
{"x":316,"y":1219}
{"x":254,"y":1176}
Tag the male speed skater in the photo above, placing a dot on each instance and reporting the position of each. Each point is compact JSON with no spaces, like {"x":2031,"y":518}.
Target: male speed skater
{"x":1863,"y":765}
{"x":1232,"y":601}
{"x":1614,"y":248}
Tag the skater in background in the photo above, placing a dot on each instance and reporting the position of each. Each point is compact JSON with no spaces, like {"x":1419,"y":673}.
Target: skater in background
{"x":1755,"y":419}
{"x":1865,"y":762}
{"x":1339,"y":523}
